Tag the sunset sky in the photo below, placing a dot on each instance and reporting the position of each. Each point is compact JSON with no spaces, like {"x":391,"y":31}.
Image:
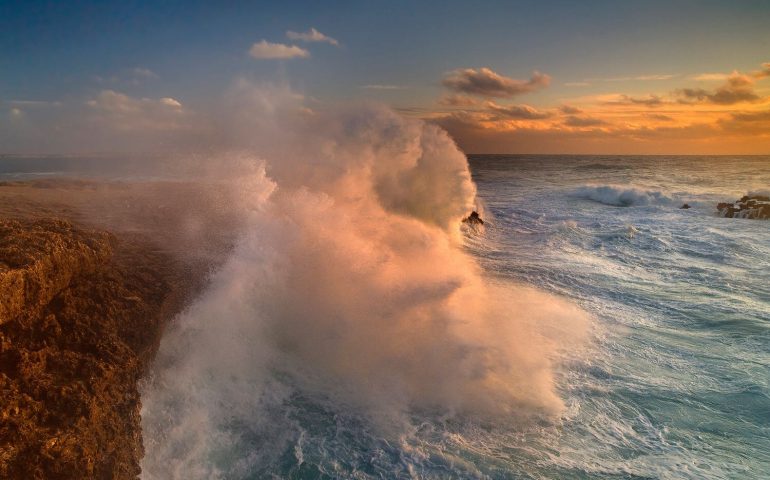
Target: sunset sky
{"x":619,"y":77}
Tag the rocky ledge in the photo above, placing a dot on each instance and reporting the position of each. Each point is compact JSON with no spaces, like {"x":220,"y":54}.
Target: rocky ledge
{"x":80,"y":316}
{"x":749,"y":206}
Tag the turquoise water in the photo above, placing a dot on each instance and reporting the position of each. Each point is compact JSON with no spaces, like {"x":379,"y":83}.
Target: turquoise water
{"x":677,"y":384}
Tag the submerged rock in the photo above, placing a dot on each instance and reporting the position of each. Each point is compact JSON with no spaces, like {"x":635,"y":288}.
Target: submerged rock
{"x":749,"y":206}
{"x":473,"y":219}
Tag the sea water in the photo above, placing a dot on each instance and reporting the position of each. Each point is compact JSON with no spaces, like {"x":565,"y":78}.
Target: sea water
{"x":677,"y":384}
{"x":673,"y":381}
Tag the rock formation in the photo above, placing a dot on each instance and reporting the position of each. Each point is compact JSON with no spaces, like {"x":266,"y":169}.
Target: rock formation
{"x":80,"y":317}
{"x":473,"y":219}
{"x":749,"y":206}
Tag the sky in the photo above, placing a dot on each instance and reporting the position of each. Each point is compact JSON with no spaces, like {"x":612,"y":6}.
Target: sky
{"x":592,"y":77}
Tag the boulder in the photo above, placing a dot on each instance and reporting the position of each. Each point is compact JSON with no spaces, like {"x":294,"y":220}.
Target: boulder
{"x":473,"y":219}
{"x":756,"y":207}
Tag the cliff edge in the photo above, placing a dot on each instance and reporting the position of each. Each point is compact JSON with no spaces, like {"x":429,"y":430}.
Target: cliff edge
{"x":81,"y":313}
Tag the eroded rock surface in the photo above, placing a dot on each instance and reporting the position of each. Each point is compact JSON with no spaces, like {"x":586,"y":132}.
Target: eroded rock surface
{"x":80,"y":316}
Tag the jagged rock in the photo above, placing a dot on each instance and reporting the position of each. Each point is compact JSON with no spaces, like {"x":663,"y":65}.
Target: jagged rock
{"x":749,"y":206}
{"x":39,"y":259}
{"x":473,"y":219}
{"x":81,"y":314}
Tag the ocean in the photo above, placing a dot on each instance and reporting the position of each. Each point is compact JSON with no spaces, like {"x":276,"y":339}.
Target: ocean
{"x":677,"y":384}
{"x":671,"y":379}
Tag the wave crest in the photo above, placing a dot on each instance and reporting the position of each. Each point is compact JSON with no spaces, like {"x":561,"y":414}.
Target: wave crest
{"x":348,"y":282}
{"x":620,"y":196}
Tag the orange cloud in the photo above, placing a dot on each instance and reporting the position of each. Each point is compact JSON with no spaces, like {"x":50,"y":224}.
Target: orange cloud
{"x":738,"y":88}
{"x":520,"y":112}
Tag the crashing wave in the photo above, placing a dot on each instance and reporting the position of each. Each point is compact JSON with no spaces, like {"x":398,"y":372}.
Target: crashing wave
{"x":349,"y":282}
{"x":620,"y":196}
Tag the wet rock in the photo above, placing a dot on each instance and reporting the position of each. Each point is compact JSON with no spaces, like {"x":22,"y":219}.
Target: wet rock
{"x":749,"y":206}
{"x":686,"y":206}
{"x":473,"y":219}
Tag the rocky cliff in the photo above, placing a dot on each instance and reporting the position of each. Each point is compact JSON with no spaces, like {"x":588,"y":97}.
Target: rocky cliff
{"x":81,"y":313}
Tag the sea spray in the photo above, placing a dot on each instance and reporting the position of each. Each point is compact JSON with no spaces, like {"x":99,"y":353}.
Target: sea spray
{"x":347,"y":284}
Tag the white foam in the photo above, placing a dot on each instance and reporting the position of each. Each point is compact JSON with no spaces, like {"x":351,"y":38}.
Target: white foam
{"x":621,"y":196}
{"x":349,"y":283}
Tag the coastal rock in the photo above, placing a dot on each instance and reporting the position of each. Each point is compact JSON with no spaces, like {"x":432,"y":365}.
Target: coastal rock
{"x":80,"y":317}
{"x":473,"y":219}
{"x":39,"y":259}
{"x":685,"y":206}
{"x":749,"y":206}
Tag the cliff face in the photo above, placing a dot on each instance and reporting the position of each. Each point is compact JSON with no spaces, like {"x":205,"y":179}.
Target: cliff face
{"x":80,"y":315}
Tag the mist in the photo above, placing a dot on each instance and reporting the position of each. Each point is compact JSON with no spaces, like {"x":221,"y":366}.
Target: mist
{"x":346,"y":283}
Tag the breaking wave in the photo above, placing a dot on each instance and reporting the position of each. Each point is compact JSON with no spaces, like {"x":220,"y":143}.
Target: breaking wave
{"x":347,"y":286}
{"x":620,"y":196}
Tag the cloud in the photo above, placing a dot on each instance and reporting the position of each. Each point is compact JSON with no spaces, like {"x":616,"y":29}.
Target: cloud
{"x":487,"y":83}
{"x":654,"y":77}
{"x":34,"y":103}
{"x":711,"y":77}
{"x":575,"y":121}
{"x":569,"y":110}
{"x":577,"y":84}
{"x":660,"y":117}
{"x":383,"y":87}
{"x":518,"y":112}
{"x":649,"y":101}
{"x":170,"y":102}
{"x":142,"y":72}
{"x":765,"y":72}
{"x":124,"y":113}
{"x":311,"y":35}
{"x":453,"y":100}
{"x":763,"y":116}
{"x":638,"y":78}
{"x":748,"y":123}
{"x":738,"y":88}
{"x":267,"y":50}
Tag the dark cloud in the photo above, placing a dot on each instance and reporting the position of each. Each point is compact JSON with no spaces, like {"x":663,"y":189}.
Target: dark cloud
{"x":763,"y":116}
{"x":661,"y":118}
{"x":649,"y":101}
{"x":575,"y":121}
{"x":569,"y":110}
{"x":487,"y":83}
{"x":755,"y":124}
{"x":738,"y":88}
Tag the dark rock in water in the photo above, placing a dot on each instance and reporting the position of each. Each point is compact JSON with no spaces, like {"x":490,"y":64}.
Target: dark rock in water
{"x":473,"y":219}
{"x":749,"y":206}
{"x":686,"y":206}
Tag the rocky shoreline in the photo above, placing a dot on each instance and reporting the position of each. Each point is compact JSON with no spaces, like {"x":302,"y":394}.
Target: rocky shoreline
{"x":81,"y":312}
{"x":90,"y":272}
{"x":749,"y":206}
